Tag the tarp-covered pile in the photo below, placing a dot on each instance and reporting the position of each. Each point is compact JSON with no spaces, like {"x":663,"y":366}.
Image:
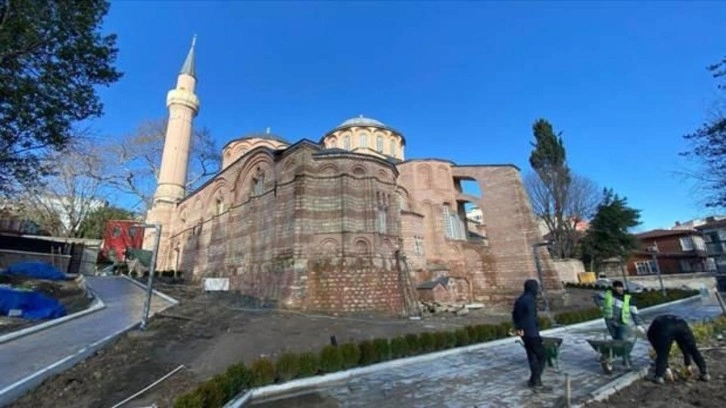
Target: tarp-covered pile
{"x":35,"y":270}
{"x":33,"y":305}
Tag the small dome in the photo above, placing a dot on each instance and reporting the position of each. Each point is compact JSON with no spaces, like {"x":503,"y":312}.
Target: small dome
{"x":361,"y":121}
{"x":265,"y":135}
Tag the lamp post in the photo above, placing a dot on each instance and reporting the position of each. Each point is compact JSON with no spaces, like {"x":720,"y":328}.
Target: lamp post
{"x":654,"y":252}
{"x":152,"y":267}
{"x":539,"y":274}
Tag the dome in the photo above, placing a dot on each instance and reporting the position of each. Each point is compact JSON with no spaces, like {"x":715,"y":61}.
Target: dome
{"x":361,"y":121}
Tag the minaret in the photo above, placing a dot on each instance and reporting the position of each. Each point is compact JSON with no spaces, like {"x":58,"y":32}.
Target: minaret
{"x":183,"y":106}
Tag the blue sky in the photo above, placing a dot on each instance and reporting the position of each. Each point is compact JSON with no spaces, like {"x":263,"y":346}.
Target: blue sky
{"x":465,"y":81}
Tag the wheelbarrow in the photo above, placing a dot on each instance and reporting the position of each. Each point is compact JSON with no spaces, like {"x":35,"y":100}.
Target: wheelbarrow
{"x":552,"y":350}
{"x":610,"y":350}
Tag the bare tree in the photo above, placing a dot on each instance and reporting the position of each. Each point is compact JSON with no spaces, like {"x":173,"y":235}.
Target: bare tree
{"x":61,"y":200}
{"x":579,"y":199}
{"x":137,"y":157}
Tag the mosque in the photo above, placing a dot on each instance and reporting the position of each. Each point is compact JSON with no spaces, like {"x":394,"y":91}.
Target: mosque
{"x":343,"y":224}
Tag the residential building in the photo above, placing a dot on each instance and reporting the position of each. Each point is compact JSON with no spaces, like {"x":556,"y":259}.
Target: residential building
{"x":714,"y":233}
{"x":676,"y":251}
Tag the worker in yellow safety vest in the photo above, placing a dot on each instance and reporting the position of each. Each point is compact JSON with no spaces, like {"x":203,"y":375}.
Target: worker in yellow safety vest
{"x":619,"y":311}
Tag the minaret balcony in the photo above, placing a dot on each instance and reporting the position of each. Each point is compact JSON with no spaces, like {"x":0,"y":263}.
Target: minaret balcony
{"x":182,"y":97}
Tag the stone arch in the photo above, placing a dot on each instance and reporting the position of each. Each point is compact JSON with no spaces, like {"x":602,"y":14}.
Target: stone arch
{"x":243,"y":181}
{"x":387,"y":248}
{"x":219,"y":193}
{"x":359,"y":170}
{"x":383,"y":175}
{"x":183,"y":214}
{"x":328,"y":169}
{"x":403,"y":199}
{"x":328,"y":246}
{"x":332,"y":142}
{"x":424,"y":173}
{"x":362,"y":246}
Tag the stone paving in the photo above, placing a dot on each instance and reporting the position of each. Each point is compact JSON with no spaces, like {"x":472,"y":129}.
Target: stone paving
{"x":492,"y":376}
{"x":26,"y":355}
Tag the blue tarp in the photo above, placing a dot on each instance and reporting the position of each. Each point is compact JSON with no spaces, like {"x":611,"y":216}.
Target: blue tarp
{"x":34,"y":305}
{"x":35,"y":270}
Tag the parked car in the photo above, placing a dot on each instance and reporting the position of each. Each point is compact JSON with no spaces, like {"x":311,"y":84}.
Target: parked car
{"x":631,"y":287}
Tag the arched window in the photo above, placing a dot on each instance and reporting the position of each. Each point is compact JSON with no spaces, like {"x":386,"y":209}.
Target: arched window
{"x":393,"y":147}
{"x":363,"y":139}
{"x":381,"y":220}
{"x":379,"y":143}
{"x":259,"y":183}
{"x":454,"y":227}
{"x":346,"y":142}
{"x":219,"y":206}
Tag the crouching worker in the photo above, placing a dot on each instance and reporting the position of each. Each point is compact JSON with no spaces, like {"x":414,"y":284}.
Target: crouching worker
{"x":662,"y":333}
{"x":524,"y":318}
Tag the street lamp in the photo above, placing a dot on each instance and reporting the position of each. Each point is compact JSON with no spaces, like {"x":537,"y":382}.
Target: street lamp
{"x":152,"y":267}
{"x":539,"y":274}
{"x":654,"y":251}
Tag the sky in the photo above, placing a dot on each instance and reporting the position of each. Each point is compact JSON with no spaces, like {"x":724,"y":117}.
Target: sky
{"x":465,"y":81}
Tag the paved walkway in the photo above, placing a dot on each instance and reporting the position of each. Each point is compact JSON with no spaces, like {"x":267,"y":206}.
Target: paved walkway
{"x":26,"y":355}
{"x":490,"y":377}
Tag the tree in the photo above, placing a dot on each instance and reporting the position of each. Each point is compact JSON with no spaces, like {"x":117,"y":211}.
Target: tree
{"x":708,"y":148}
{"x":60,"y":201}
{"x":52,"y":57}
{"x":551,"y":192}
{"x":137,"y":158}
{"x":608,"y":234}
{"x":94,"y":224}
{"x":579,"y":204}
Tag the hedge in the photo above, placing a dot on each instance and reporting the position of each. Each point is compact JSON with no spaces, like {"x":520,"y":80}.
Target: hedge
{"x":221,"y":388}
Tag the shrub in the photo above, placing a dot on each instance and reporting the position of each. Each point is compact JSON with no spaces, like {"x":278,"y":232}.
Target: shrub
{"x":427,"y":341}
{"x":399,"y":347}
{"x":287,"y":366}
{"x":462,"y":337}
{"x":471,"y":331}
{"x":331,"y":359}
{"x":350,"y":354}
{"x":441,"y":340}
{"x":414,"y":346}
{"x":212,"y":394}
{"x":367,"y":352}
{"x":190,"y":400}
{"x":450,"y":339}
{"x":263,"y":372}
{"x":308,"y":364}
{"x":238,"y":378}
{"x":382,"y":350}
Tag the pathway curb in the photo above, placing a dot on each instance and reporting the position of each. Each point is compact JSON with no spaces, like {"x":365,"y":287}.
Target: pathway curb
{"x":243,"y":399}
{"x":614,"y":386}
{"x":154,"y":291}
{"x":95,"y":306}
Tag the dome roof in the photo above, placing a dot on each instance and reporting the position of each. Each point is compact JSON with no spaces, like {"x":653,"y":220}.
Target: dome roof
{"x":259,"y":135}
{"x":361,"y":121}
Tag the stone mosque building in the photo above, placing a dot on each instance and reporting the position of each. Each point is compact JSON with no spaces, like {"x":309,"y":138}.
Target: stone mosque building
{"x":341,"y":224}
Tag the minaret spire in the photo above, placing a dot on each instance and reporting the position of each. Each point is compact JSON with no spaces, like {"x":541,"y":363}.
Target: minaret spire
{"x":189,"y":66}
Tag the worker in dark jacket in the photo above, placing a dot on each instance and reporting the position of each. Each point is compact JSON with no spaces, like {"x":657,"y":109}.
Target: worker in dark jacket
{"x":666,"y":329}
{"x":524,"y":318}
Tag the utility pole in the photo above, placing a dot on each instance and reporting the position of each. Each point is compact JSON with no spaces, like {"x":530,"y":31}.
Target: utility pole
{"x":152,"y":267}
{"x":654,"y":251}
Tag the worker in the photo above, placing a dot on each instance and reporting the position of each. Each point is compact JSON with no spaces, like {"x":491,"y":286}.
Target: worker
{"x":666,"y":329}
{"x":524,"y":319}
{"x":618,"y":310}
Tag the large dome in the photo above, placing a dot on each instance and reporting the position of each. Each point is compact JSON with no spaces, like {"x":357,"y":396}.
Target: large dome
{"x":361,"y":121}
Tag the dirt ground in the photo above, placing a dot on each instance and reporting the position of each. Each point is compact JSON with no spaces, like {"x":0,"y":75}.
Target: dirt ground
{"x":691,"y":393}
{"x":68,"y":292}
{"x":208,"y":332}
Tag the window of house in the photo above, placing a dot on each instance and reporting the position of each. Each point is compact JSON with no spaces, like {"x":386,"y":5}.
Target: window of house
{"x":686,"y":265}
{"x":645,"y":267}
{"x":381,"y":220}
{"x":710,"y":264}
{"x":379,"y":143}
{"x":363,"y":139}
{"x":346,"y":142}
{"x":418,"y":245}
{"x":699,"y":243}
{"x":686,"y":244}
{"x":116,"y":232}
{"x":132,"y":232}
